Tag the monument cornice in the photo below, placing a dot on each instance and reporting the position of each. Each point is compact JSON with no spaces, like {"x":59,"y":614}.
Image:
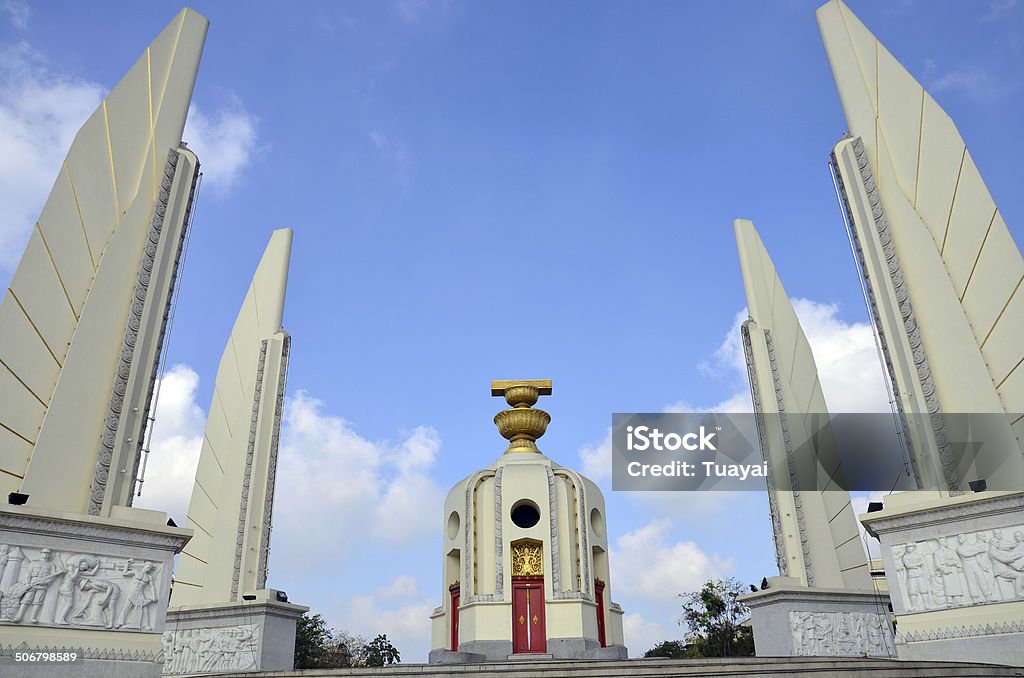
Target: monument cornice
{"x":124,"y":532}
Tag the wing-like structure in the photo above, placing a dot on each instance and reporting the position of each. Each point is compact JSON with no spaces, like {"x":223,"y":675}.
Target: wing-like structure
{"x":816,"y":536}
{"x":942,"y":269}
{"x":82,"y":324}
{"x":233,"y":496}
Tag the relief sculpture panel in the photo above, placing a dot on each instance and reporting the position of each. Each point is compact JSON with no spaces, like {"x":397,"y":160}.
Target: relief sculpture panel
{"x":841,"y":634}
{"x":970,"y":568}
{"x":47,"y":587}
{"x":227,"y":648}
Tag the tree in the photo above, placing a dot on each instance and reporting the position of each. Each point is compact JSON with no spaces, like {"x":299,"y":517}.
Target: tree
{"x":673,"y":649}
{"x":312,"y":641}
{"x":320,"y":647}
{"x":713,"y":615}
{"x":380,"y":652}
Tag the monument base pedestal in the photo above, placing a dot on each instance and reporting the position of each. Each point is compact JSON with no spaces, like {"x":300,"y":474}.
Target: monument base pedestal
{"x":955,"y":568}
{"x":254,"y":635}
{"x":792,"y":620}
{"x":88,"y":593}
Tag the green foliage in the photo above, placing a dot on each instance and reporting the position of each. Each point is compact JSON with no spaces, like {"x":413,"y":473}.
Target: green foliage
{"x":319,"y":647}
{"x":673,"y":649}
{"x":713,"y":615}
{"x":380,"y":652}
{"x":312,"y":641}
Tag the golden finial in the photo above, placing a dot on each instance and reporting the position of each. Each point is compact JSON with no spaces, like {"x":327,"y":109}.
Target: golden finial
{"x":522,"y":424}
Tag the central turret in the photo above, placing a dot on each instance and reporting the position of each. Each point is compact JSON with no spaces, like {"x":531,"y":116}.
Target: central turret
{"x":525,"y":553}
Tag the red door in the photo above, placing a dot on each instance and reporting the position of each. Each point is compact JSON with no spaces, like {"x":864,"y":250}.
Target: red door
{"x":528,"y":634}
{"x":599,"y":591}
{"x":454,"y":591}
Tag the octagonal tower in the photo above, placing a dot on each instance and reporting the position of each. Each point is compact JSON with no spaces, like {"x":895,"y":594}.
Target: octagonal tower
{"x":525,"y":553}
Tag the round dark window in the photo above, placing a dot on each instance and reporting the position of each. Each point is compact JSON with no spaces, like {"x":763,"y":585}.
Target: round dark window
{"x":525,"y":514}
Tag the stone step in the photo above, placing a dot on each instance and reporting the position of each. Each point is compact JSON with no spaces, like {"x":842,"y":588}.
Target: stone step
{"x":750,"y":667}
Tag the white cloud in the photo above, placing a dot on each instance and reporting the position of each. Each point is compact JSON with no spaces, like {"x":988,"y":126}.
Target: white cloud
{"x":406,"y":622}
{"x":354,"y":488}
{"x":337,"y":490}
{"x":642,"y":634}
{"x":659,"y":569}
{"x":727,"y":360}
{"x":415,"y":11}
{"x":997,"y":8}
{"x":402,"y":586}
{"x":847,"y":358}
{"x":19,"y":12}
{"x":40,"y":112}
{"x":177,"y":440}
{"x":844,"y":353}
{"x":597,"y":459}
{"x":225,"y":142}
{"x":970,"y":80}
{"x":395,"y":154}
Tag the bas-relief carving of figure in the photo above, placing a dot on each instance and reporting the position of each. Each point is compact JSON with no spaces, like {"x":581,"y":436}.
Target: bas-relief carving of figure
{"x":901,"y":572}
{"x":141,"y":595}
{"x":83,"y":598}
{"x":1004,"y":557}
{"x":98,"y":602}
{"x":820,"y":634}
{"x":976,"y":569}
{"x":948,"y":566}
{"x":231,"y":648}
{"x":77,"y":568}
{"x":845,"y":639}
{"x":40,"y":574}
{"x":811,"y":640}
{"x":796,"y":629}
{"x":823,"y":634}
{"x":917,"y":579}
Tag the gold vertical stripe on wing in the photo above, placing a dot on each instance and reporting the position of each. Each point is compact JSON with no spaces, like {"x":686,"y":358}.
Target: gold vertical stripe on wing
{"x":60,"y":279}
{"x":977,"y":258}
{"x":113,"y":173}
{"x":956,"y":187}
{"x":152,"y":139}
{"x":22,"y":382}
{"x":15,"y":433}
{"x":1001,"y":312}
{"x":34,"y":327}
{"x":5,"y":471}
{"x":81,"y":219}
{"x":920,"y":143}
{"x":1009,"y":374}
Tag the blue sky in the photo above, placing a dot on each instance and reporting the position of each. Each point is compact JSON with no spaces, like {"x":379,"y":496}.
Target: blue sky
{"x":499,"y":190}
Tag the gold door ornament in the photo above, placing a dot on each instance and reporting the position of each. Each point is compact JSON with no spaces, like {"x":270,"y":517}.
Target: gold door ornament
{"x":527,"y":560}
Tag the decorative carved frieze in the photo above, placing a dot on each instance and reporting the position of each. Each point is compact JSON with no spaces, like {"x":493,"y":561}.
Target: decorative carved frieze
{"x":794,"y":481}
{"x":226,"y":648}
{"x":243,"y":506}
{"x":275,"y":444}
{"x":960,"y":570}
{"x":949,"y":632}
{"x":841,"y":634}
{"x":49,"y":587}
{"x":762,"y":437}
{"x":910,"y":325}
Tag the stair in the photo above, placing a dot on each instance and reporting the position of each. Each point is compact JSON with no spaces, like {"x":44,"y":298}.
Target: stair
{"x":749,"y":667}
